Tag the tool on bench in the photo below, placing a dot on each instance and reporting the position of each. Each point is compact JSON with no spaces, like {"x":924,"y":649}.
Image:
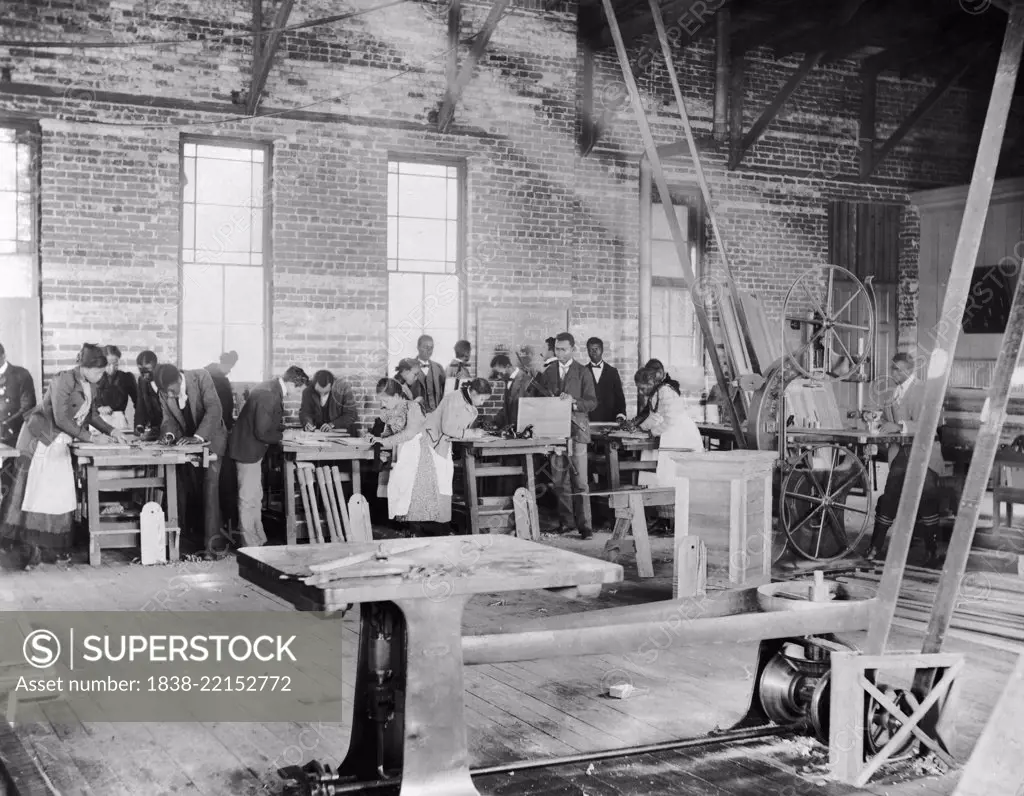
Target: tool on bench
{"x":380,"y":554}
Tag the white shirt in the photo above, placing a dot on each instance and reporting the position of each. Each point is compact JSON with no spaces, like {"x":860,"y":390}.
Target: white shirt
{"x":324,"y":399}
{"x":512,"y":376}
{"x":284,"y":389}
{"x":563,"y":369}
{"x":3,"y":367}
{"x":597,"y":370}
{"x":901,"y":390}
{"x":425,"y":365}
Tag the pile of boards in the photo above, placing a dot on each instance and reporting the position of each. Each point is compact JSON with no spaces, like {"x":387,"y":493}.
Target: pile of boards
{"x":989,"y":606}
{"x":345,"y":522}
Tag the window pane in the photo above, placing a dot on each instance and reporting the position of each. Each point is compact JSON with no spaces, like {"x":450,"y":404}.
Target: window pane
{"x":190,"y":150}
{"x":405,"y":314}
{"x":392,"y":194}
{"x":424,"y":197}
{"x":223,"y":228}
{"x":441,"y":302}
{"x":420,"y":266}
{"x":214,"y":257}
{"x":421,"y":239}
{"x":8,"y":216}
{"x":256,"y":227}
{"x":659,"y":223}
{"x":453,"y":199}
{"x":392,"y":238}
{"x":659,"y":314}
{"x":26,"y":169}
{"x":664,"y":260}
{"x":189,"y":192}
{"x":24,"y":216}
{"x":258,"y":156}
{"x":452,"y":252}
{"x":243,"y":294}
{"x":201,"y":344}
{"x":224,"y":152}
{"x":16,"y":275}
{"x":660,"y":348}
{"x":8,"y":167}
{"x":223,"y":182}
{"x":8,"y":246}
{"x":203,"y":294}
{"x":188,"y":226}
{"x":422,"y":169}
{"x":247,"y":340}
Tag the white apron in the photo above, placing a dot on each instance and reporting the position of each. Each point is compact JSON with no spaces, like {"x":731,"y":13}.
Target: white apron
{"x":51,"y":480}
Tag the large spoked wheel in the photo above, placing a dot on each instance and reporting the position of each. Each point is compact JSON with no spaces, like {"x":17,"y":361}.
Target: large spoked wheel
{"x":833,"y":310}
{"x":825,"y":502}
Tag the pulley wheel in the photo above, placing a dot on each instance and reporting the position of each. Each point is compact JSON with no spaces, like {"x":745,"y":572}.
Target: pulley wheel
{"x":820,"y":706}
{"x":880,"y":726}
{"x":779,"y":684}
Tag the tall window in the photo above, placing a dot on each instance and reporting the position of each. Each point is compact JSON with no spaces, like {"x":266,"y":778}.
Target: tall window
{"x":675,"y":336}
{"x":224,"y":265}
{"x":20,"y":318}
{"x":424,"y":244}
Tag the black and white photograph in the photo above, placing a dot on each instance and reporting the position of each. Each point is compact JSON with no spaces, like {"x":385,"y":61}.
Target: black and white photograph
{"x":511,"y":397}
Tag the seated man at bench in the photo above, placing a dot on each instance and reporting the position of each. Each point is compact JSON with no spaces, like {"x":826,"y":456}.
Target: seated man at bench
{"x":901,"y":414}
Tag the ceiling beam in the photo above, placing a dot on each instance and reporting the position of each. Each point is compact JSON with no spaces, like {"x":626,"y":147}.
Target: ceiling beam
{"x":923,"y":108}
{"x":257,"y":29}
{"x":261,"y":64}
{"x":750,"y":138}
{"x":480,"y":42}
{"x":686,"y":17}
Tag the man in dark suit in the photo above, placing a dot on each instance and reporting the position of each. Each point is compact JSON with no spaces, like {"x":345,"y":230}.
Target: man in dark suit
{"x":431,"y":378}
{"x":516,"y":381}
{"x":328,"y":404}
{"x":611,"y":400}
{"x":17,"y":399}
{"x":148,"y":414}
{"x":220,"y":372}
{"x":259,"y":425}
{"x":191,"y":413}
{"x":569,"y":380}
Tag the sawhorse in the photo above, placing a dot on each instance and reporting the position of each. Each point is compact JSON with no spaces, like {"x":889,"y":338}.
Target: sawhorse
{"x":628,"y":504}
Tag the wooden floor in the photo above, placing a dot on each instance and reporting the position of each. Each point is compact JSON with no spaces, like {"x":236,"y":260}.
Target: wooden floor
{"x":514,"y":711}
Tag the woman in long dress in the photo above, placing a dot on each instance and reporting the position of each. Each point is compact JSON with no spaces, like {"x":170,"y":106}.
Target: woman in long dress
{"x":37,"y":511}
{"x":115,"y":389}
{"x":420,"y":487}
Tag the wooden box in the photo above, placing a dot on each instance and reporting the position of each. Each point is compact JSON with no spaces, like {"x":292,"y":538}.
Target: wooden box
{"x":551,"y":418}
{"x":730,"y":509}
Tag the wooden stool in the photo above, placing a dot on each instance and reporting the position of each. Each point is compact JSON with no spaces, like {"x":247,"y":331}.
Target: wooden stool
{"x":628,"y":504}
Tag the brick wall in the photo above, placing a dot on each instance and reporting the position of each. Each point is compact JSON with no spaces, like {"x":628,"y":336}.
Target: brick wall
{"x":543,"y":225}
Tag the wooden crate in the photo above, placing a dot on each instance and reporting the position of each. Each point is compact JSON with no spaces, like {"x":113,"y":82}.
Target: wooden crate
{"x":730,"y":509}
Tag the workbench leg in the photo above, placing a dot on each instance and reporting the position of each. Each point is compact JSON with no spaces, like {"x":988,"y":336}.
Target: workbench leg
{"x":531,"y":488}
{"x":469,"y":473}
{"x":171,"y":471}
{"x":614,"y":476}
{"x":92,"y":488}
{"x":361,"y":761}
{"x":644,"y":562}
{"x":435,"y":762}
{"x":357,"y":477}
{"x":289,"y":500}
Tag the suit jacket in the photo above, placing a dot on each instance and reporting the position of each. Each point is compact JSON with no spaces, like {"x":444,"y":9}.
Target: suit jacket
{"x":431,"y":381}
{"x":204,"y":404}
{"x":340,"y":410}
{"x":908,"y":410}
{"x":227,"y":396}
{"x":63,"y":399}
{"x":580,"y":385}
{"x":147,"y":411}
{"x":17,"y":399}
{"x":259,"y":424}
{"x":508,"y":415}
{"x":611,"y":400}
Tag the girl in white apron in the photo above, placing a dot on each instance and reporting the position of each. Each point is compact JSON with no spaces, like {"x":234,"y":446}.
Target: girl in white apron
{"x":37,"y":511}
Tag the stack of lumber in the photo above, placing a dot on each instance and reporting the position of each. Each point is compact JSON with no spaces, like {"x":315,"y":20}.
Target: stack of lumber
{"x":989,"y":607}
{"x":961,"y":420}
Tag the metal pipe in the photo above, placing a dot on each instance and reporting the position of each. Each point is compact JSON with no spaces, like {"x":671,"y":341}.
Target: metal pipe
{"x":646,"y":268}
{"x":720,"y":129}
{"x":728,"y":736}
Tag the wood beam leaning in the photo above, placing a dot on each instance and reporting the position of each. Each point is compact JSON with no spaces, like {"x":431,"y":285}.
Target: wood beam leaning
{"x":682,"y":251}
{"x":268,"y":48}
{"x":257,"y":29}
{"x":937,"y":377}
{"x":454,"y":26}
{"x":867,"y":122}
{"x":465,"y":74}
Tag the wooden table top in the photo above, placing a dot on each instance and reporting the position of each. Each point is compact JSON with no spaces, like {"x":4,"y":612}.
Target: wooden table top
{"x":849,"y":435}
{"x":460,"y":565}
{"x":625,"y":439}
{"x":320,"y":447}
{"x":136,"y":453}
{"x":7,"y":452}
{"x":713,"y":429}
{"x":491,"y":441}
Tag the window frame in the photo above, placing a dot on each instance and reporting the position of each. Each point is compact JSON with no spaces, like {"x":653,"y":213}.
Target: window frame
{"x":460,"y":165}
{"x":268,"y":253}
{"x":32,"y":129}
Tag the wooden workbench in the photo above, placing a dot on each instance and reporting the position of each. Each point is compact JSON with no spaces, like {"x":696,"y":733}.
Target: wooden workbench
{"x":121,"y":467}
{"x":619,"y":452}
{"x":427,"y":736}
{"x":718,"y":433}
{"x":470,"y":455}
{"x":345,"y":451}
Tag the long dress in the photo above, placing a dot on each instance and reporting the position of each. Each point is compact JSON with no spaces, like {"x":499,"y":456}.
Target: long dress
{"x":424,"y":494}
{"x":676,"y":431}
{"x":43,"y":518}
{"x":394,"y":422}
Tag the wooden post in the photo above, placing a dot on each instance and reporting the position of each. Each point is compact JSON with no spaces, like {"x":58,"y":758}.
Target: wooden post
{"x":720,"y":128}
{"x":644,"y":258}
{"x":867,"y":122}
{"x":673,"y":222}
{"x":937,"y":377}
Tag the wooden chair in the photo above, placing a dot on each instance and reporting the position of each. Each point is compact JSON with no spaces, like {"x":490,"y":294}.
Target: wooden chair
{"x":1008,"y":488}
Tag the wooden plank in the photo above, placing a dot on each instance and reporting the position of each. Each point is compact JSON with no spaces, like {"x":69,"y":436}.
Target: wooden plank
{"x":955,"y":300}
{"x":480,"y":42}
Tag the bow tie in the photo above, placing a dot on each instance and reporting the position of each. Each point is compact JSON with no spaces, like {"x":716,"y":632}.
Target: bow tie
{"x":424,"y":364}
{"x":598,"y":366}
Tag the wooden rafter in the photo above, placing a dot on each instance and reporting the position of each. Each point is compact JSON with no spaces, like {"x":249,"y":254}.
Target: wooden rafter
{"x":480,"y":42}
{"x":454,"y":26}
{"x":867,"y":122}
{"x":268,"y":47}
{"x":257,"y":29}
{"x":688,"y":17}
{"x":923,"y":108}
